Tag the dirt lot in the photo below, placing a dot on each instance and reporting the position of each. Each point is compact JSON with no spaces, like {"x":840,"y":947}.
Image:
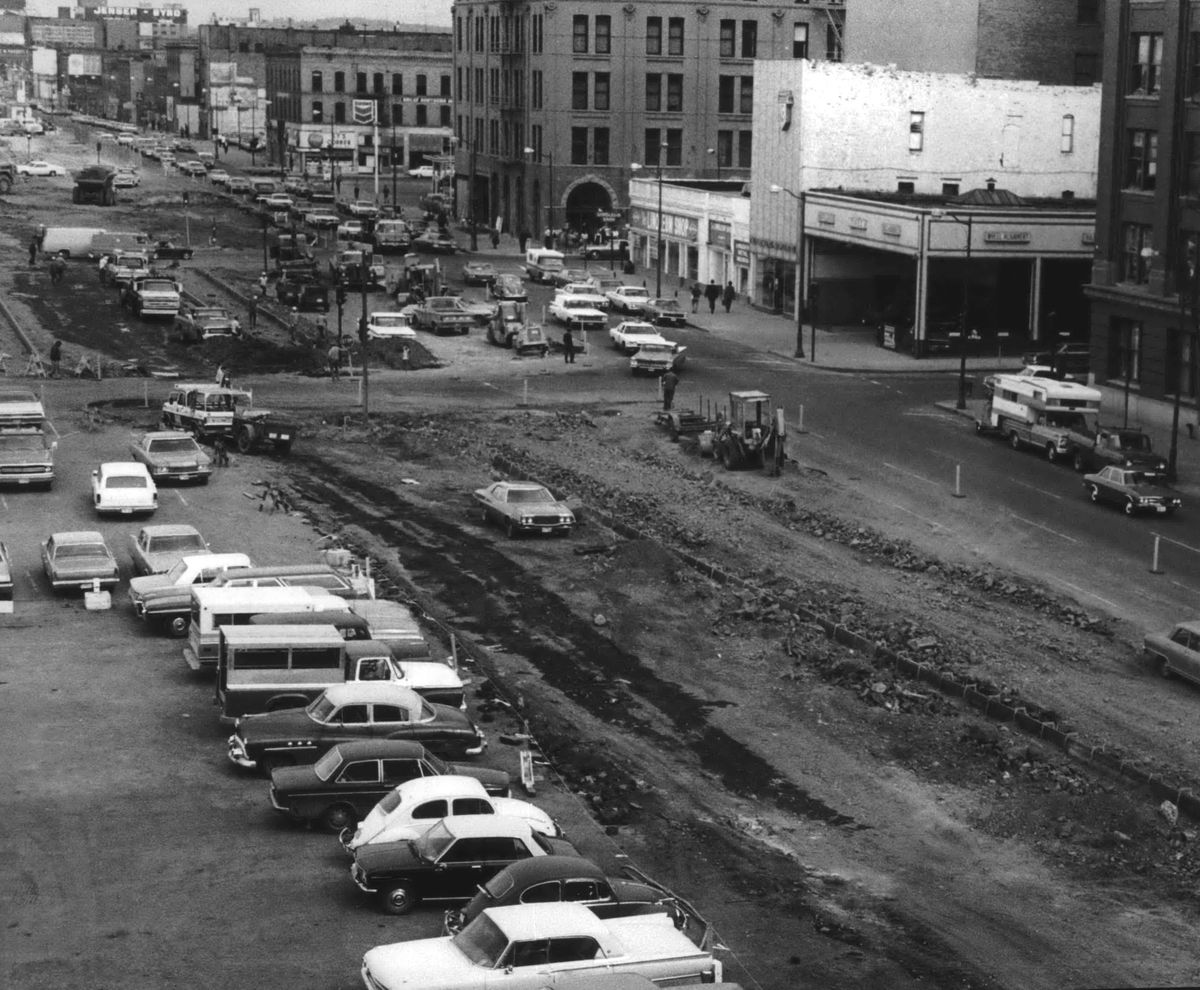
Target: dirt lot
{"x":839,"y":825}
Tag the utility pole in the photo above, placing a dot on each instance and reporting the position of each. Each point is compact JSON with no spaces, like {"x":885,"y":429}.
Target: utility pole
{"x":364,"y":275}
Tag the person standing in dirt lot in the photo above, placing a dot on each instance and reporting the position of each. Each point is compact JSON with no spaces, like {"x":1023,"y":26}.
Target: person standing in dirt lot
{"x":670,"y":381}
{"x":262,"y":283}
{"x":335,"y":361}
{"x":712,"y":294}
{"x":404,"y":356}
{"x":252,"y":311}
{"x":55,"y":358}
{"x":33,"y":250}
{"x":728,"y":295}
{"x":568,"y":342}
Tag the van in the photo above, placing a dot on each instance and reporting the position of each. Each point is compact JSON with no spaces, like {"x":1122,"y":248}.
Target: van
{"x":71,"y":242}
{"x":542,"y":264}
{"x":214,"y":607}
{"x":111,"y":241}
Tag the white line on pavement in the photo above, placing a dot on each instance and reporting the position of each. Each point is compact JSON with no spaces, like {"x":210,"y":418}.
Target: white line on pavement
{"x":1052,"y":532}
{"x":1040,"y":491}
{"x":911,"y":474}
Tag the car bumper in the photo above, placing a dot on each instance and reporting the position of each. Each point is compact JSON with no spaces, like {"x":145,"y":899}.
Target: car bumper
{"x":84,"y":583}
{"x":180,"y":474}
{"x":236,"y":751}
{"x":360,"y":880}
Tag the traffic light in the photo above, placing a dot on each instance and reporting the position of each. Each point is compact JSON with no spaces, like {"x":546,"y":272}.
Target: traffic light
{"x":185,"y":198}
{"x":341,"y":295}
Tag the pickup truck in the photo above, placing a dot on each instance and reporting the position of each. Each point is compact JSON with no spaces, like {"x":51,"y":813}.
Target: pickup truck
{"x":152,"y":295}
{"x":1092,"y":447}
{"x":123,"y":267}
{"x":443,"y":315}
{"x":538,"y":945}
{"x":164,"y":599}
{"x":354,"y":268}
{"x":577,"y":313}
{"x":26,"y":457}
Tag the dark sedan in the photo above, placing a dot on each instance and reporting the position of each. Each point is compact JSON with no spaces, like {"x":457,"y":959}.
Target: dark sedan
{"x":350,"y":779}
{"x":1135,"y":491}
{"x":346,"y":713}
{"x":524,"y":507}
{"x":508,"y":287}
{"x":170,"y":251}
{"x":550,"y":879}
{"x":449,"y":860}
{"x":664,"y":313}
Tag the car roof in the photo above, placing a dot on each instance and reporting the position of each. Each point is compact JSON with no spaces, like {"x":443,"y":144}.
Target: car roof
{"x":372,"y":692}
{"x":123,"y":467}
{"x":289,"y":571}
{"x":447,"y":785}
{"x":536,"y":869}
{"x":166,"y":435}
{"x":486,"y":826}
{"x":525,"y":922}
{"x":77,"y":536}
{"x":521,"y":486}
{"x":171,"y":529}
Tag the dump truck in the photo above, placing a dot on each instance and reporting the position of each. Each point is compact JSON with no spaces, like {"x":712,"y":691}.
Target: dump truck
{"x":8,"y":178}
{"x":94,"y":184}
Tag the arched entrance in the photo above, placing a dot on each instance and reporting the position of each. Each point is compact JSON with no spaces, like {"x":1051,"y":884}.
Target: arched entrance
{"x":586,"y":199}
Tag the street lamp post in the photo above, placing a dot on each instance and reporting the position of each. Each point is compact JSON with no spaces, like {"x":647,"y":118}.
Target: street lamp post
{"x":658,"y":259}
{"x":963,"y":332}
{"x":801,"y":275}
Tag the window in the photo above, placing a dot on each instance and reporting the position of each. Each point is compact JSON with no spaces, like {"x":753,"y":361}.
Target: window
{"x":653,"y":146}
{"x":542,"y":893}
{"x":573,"y":949}
{"x":390,"y":713}
{"x":728,"y":39}
{"x":318,"y":82}
{"x":603,"y":34}
{"x":653,"y":35}
{"x":339,"y":113}
{"x":1138,"y":253}
{"x":800,"y":41}
{"x":422,"y":115}
{"x":906,"y":186}
{"x":1087,"y":68}
{"x":1066,"y":143}
{"x":535,"y":96}
{"x":579,"y":145}
{"x":950,"y":188}
{"x":916,"y":131}
{"x":675,"y":36}
{"x":1192,"y":146}
{"x":725,"y":94}
{"x":318,"y":112}
{"x":674,"y":146}
{"x":444,"y":115}
{"x":749,"y":39}
{"x":1125,"y":350}
{"x":432,"y":809}
{"x":361,"y":771}
{"x":745,"y":143}
{"x":1193,"y":66}
{"x":579,"y":33}
{"x":397,"y":114}
{"x":360,"y":82}
{"x":600,"y":91}
{"x":675,"y":93}
{"x":422,"y":84}
{"x":600,"y":139}
{"x":587,"y":890}
{"x":397,"y":84}
{"x":377,"y":83}
{"x":1145,"y":66}
{"x":724,"y":149}
{"x":444,"y":86}
{"x":746,"y":94}
{"x":1087,"y":12}
{"x":833,"y":43}
{"x":1141,"y":160}
{"x":536,"y":33}
{"x":339,"y":82}
{"x":579,"y":90}
{"x":398,"y":771}
{"x":653,"y":91}
{"x":352,"y":715}
{"x":1181,"y":363}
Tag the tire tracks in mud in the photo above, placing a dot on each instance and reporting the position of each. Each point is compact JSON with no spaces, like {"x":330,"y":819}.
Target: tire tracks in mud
{"x":471,"y":578}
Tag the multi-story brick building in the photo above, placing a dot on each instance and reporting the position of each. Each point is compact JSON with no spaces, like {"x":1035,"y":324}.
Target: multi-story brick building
{"x":591,"y":86}
{"x":1143,"y":328}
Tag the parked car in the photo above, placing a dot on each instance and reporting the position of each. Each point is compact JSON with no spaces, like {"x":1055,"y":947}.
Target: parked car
{"x":127,"y":178}
{"x":322,"y":219}
{"x":156,"y":549}
{"x":1132,"y":489}
{"x":1177,"y":652}
{"x":170,"y":251}
{"x":123,"y":267}
{"x":508,"y":287}
{"x":577,"y":313}
{"x":20,"y":407}
{"x":200,"y":323}
{"x":553,"y":879}
{"x":346,"y":712}
{"x":411,"y":807}
{"x":609,"y":251}
{"x":628,"y":298}
{"x":435,"y":240}
{"x":628,"y":335}
{"x":26,"y":457}
{"x":172,"y":455}
{"x":240,"y":185}
{"x":306,"y":294}
{"x":363,"y":209}
{"x":448,"y":860}
{"x":443,"y":315}
{"x":390,"y":326}
{"x":350,"y":781}
{"x":123,"y":487}
{"x":78,"y":559}
{"x":587,"y":290}
{"x":165,"y":599}
{"x":524,"y":507}
{"x":351,"y":230}
{"x":664,"y":313}
{"x":478,"y":272}
{"x":40,"y":168}
{"x":565,"y":276}
{"x":218,"y":177}
{"x":421,"y":172}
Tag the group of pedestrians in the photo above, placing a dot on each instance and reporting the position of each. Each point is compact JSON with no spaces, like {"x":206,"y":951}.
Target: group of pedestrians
{"x":714,"y":294}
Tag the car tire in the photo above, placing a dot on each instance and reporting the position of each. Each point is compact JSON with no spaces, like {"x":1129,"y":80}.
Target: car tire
{"x":338,"y":817}
{"x":1164,"y":669}
{"x":510,"y":529}
{"x":1051,"y":453}
{"x":177,"y":626}
{"x":398,"y":899}
{"x":1129,"y":508}
{"x":1094,"y":493}
{"x":1079,"y":462}
{"x":1014,"y":441}
{"x":244,"y":440}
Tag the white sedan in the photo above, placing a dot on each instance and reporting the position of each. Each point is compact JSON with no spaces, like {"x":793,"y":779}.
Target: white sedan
{"x":123,"y":487}
{"x":40,"y":168}
{"x":390,"y":326}
{"x":321,"y":219}
{"x":413,"y":806}
{"x":351,"y":230}
{"x":629,"y":335}
{"x":628,"y":298}
{"x":421,"y":172}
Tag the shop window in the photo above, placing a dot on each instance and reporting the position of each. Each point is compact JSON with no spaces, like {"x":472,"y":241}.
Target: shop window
{"x":603,"y":34}
{"x":1138,"y":253}
{"x":653,"y":91}
{"x":749,"y":39}
{"x":653,"y":35}
{"x":579,"y":34}
{"x":1145,"y":65}
{"x":1141,"y":159}
{"x":675,"y":93}
{"x":728,"y":39}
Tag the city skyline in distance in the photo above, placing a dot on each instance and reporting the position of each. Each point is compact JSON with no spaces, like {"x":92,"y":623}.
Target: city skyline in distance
{"x":411,"y":13}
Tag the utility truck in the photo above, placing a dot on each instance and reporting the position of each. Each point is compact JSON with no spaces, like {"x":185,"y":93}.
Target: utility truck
{"x":1038,"y":412}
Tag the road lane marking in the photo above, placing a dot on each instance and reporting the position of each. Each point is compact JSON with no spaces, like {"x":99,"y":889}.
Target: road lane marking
{"x":1040,"y":491}
{"x":1052,"y":532}
{"x":911,"y":474}
{"x":1091,"y":594}
{"x":1167,"y":539}
{"x":1192,"y":592}
{"x":929,"y":522}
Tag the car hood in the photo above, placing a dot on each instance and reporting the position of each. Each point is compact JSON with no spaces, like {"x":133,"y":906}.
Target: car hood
{"x":430,"y":674}
{"x":177,"y":459}
{"x":416,"y":963}
{"x":152,"y":585}
{"x":297,"y":780}
{"x":397,"y":855}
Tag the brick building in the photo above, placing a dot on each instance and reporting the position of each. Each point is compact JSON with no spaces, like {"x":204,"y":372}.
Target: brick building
{"x":592,"y":86}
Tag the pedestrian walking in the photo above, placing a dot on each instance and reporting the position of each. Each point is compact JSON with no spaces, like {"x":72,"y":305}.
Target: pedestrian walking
{"x":33,"y":251}
{"x":356,"y":192}
{"x":55,"y":358}
{"x":322,"y":328}
{"x":697,"y":292}
{"x":712,"y":293}
{"x":262,"y":283}
{"x":58,"y":269}
{"x":335,"y":361}
{"x":252,"y":311}
{"x":293,"y":325}
{"x":568,"y":342}
{"x":337,"y":185}
{"x":728,"y":295}
{"x":220,"y":452}
{"x":495,"y":238}
{"x":404,"y":354}
{"x":670,"y":381}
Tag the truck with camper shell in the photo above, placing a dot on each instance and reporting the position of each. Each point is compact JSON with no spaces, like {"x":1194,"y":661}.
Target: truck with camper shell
{"x":1038,"y":412}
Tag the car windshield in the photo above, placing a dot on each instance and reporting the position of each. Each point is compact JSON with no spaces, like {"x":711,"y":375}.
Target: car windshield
{"x":180,"y":445}
{"x":528,"y":495}
{"x":158,"y":285}
{"x":327,"y":765}
{"x":29,"y":441}
{"x":390,"y":801}
{"x":390,"y":320}
{"x":498,"y":887}
{"x":125,"y":481}
{"x":443,"y":304}
{"x":1133,"y":441}
{"x":175,"y":541}
{"x":432,"y":843}
{"x":1145,"y":478}
{"x":80,"y":550}
{"x":321,"y":709}
{"x":482,"y":942}
{"x":17,"y":395}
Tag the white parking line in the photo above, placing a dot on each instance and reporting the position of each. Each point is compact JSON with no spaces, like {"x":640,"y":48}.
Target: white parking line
{"x":1192,"y":592}
{"x":179,"y":495}
{"x":930,"y":522}
{"x":911,"y":474}
{"x":1052,"y":532}
{"x":1090,"y":594}
{"x":1040,"y":491}
{"x":1167,"y":539}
